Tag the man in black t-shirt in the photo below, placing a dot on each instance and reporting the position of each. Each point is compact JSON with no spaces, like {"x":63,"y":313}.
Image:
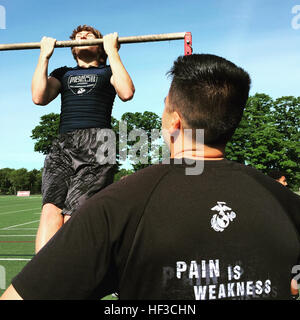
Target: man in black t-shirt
{"x":200,"y":227}
{"x":73,"y":170}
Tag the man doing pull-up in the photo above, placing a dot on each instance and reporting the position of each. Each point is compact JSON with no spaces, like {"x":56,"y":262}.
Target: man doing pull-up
{"x":72,"y":171}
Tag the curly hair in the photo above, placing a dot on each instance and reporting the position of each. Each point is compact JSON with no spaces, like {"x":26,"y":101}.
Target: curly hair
{"x":102,"y":57}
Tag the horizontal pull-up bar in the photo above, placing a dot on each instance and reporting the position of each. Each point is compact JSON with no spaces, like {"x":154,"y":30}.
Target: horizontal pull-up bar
{"x":77,"y":43}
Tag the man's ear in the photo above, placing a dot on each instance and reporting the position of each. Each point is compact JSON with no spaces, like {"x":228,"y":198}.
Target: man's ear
{"x":176,"y":122}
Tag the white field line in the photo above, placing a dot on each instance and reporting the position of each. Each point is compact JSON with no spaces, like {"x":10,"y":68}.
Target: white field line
{"x":18,"y":211}
{"x":19,"y":198}
{"x":9,"y":205}
{"x":14,"y":259}
{"x":16,"y":205}
{"x":17,"y":229}
{"x":19,"y":225}
{"x":17,"y":235}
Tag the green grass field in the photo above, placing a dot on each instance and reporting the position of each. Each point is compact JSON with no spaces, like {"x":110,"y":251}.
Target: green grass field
{"x":19,"y":220}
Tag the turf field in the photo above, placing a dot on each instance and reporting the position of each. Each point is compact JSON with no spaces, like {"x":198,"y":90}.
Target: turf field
{"x":19,"y":220}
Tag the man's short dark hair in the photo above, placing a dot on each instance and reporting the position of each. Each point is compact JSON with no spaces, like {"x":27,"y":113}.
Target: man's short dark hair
{"x":276,"y":174}
{"x":210,"y":93}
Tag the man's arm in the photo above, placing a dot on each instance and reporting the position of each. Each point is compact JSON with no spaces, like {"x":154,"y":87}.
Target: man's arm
{"x":10,"y":294}
{"x":120,"y":78}
{"x":44,"y":89}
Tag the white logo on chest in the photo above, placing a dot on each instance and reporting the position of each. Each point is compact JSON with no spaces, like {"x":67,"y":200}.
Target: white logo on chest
{"x":82,"y":84}
{"x":221,"y":220}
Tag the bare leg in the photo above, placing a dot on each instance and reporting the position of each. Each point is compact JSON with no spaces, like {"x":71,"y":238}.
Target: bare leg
{"x":50,"y":222}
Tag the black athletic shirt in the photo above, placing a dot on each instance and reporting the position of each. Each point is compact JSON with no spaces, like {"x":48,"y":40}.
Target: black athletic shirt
{"x":87,"y":97}
{"x":228,"y":233}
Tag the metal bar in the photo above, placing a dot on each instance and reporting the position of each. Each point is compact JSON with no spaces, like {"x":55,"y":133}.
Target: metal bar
{"x":73,"y":43}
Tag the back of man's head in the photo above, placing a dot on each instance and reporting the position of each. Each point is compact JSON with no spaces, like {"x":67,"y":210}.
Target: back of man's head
{"x":210,"y":93}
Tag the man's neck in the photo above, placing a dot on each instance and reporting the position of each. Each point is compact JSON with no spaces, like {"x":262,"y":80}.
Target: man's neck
{"x":87,"y":63}
{"x":201,"y":153}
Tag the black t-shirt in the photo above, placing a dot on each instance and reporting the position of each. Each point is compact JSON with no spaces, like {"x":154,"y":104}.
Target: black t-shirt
{"x":228,"y":233}
{"x":87,"y":97}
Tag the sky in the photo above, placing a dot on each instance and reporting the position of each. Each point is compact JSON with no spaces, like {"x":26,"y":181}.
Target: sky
{"x":261,"y":36}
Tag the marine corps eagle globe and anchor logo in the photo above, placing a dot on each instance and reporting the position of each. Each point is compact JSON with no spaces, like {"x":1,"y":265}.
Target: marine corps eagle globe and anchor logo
{"x":82,"y":84}
{"x":221,"y":220}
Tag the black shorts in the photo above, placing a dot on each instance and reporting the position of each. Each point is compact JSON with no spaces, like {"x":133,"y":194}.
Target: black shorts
{"x":72,"y":172}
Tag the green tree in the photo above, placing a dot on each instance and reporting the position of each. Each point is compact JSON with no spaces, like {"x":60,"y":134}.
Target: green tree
{"x":5,"y":181}
{"x":46,"y":132}
{"x":20,"y":180}
{"x":12,"y":180}
{"x":35,"y":181}
{"x":268,"y":136}
{"x":142,"y":123}
{"x":122,"y":173}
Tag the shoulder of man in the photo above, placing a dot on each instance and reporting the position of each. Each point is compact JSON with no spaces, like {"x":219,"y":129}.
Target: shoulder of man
{"x":105,"y":69}
{"x":138,"y":185}
{"x":127,"y":198}
{"x":59,"y":72}
{"x":122,"y":204}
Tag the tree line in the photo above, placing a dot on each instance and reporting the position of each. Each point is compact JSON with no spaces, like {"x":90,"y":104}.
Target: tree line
{"x":14,"y":180}
{"x":267,"y":138}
